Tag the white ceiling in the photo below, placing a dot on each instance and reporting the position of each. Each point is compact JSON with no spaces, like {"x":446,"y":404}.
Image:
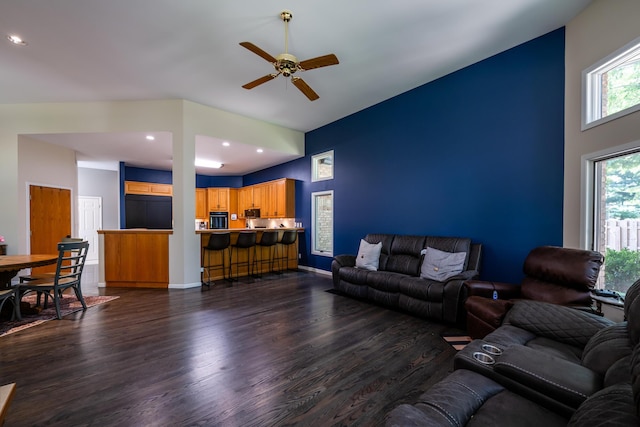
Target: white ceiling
{"x":102,"y":50}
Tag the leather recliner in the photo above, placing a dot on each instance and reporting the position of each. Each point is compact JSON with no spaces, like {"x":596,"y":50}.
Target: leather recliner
{"x":553,"y":274}
{"x":530,"y":386}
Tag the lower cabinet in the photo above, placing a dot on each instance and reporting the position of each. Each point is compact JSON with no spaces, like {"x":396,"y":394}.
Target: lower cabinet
{"x":136,"y":258}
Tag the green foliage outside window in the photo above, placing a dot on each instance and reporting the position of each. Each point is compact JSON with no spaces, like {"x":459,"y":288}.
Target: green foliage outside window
{"x":622,"y":87}
{"x":622,"y":269}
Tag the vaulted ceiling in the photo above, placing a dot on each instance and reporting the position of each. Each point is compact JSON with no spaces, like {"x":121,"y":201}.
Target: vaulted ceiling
{"x":97,"y":50}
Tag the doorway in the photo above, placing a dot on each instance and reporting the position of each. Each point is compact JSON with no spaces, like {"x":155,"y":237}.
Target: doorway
{"x":89,"y":222}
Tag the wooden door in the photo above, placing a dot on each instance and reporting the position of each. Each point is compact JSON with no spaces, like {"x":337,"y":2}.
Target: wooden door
{"x":49,"y":219}
{"x":201,"y":204}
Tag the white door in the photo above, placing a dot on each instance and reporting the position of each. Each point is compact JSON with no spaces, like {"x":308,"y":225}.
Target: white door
{"x":89,"y":222}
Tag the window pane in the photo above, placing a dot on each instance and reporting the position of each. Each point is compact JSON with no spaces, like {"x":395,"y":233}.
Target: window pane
{"x":322,"y":166}
{"x":617,"y":230}
{"x":322,"y":223}
{"x":621,"y":86}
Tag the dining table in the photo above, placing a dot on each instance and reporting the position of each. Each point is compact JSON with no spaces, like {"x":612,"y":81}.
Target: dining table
{"x":10,"y":265}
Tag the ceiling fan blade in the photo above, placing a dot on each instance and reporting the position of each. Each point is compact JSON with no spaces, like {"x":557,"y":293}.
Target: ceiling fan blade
{"x":320,"y":61}
{"x":259,"y":81}
{"x":304,"y":88}
{"x":261,"y":53}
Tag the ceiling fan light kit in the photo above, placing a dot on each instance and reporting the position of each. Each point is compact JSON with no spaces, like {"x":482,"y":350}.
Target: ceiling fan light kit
{"x":287,"y":64}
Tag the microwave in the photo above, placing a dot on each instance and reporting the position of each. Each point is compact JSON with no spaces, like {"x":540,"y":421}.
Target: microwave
{"x":252,"y":213}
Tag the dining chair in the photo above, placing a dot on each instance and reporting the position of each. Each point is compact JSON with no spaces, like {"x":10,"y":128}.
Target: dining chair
{"x":49,"y":275}
{"x":8,"y":295}
{"x":71,"y":258}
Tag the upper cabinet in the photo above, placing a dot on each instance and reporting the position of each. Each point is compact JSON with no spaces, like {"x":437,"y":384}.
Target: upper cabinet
{"x":275,"y":199}
{"x":249,"y":198}
{"x":218,"y":199}
{"x":148,"y":188}
{"x":278,"y":199}
{"x":202,"y":211}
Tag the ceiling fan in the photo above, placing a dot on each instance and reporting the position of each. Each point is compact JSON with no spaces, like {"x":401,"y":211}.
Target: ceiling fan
{"x":287,"y":64}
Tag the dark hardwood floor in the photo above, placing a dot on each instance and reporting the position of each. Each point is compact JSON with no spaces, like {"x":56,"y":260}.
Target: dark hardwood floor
{"x":272,"y":352}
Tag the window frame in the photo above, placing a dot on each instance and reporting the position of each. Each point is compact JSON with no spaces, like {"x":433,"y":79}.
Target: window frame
{"x":592,"y":88}
{"x":590,"y":190}
{"x":316,"y":159}
{"x":314,"y":226}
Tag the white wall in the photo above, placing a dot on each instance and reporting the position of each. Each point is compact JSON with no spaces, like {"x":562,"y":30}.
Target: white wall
{"x":47,"y":165}
{"x":598,"y":31}
{"x":183,"y":119}
{"x":104,"y":184}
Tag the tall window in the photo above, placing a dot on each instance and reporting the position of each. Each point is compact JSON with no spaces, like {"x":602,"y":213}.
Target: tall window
{"x":611,"y":87}
{"x":322,"y":219}
{"x":616,"y":218}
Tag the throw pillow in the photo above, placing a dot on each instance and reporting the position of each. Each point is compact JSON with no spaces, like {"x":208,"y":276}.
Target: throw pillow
{"x":439,"y":265}
{"x":368,"y":255}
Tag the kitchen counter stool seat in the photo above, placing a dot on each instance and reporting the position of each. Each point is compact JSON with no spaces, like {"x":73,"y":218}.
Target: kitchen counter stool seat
{"x":269,"y":240}
{"x":288,"y":239}
{"x":247,"y":241}
{"x":218,"y":242}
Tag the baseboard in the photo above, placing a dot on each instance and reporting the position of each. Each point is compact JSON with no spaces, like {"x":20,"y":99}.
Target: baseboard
{"x":314,"y":270}
{"x":184,"y":285}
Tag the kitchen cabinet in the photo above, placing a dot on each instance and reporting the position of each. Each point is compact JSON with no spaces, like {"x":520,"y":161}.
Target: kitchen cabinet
{"x":249,"y":198}
{"x":218,"y":199}
{"x":278,"y":199}
{"x":136,"y":258}
{"x":201,"y":204}
{"x":148,"y":188}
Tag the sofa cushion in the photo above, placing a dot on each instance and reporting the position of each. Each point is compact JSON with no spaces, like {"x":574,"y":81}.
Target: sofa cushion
{"x":404,"y":255}
{"x":423,"y":289}
{"x":368,"y":256}
{"x":386,"y":281}
{"x":386,"y":240}
{"x":440,"y":265}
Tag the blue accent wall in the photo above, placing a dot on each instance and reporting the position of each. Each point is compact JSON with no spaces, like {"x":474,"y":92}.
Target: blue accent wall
{"x":477,"y":153}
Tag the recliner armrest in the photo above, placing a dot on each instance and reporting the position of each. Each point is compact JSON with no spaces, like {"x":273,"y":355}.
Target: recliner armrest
{"x":345,"y":260}
{"x":559,"y":379}
{"x":485,"y":289}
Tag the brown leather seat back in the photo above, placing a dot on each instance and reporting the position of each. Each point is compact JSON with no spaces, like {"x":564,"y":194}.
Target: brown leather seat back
{"x":561,"y":275}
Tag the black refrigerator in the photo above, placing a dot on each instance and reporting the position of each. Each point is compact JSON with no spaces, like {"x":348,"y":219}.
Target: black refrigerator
{"x":153,"y":212}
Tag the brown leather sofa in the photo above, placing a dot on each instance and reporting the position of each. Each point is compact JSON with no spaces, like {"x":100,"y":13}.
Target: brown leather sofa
{"x":552,"y":274}
{"x":536,"y":379}
{"x":397,"y":282}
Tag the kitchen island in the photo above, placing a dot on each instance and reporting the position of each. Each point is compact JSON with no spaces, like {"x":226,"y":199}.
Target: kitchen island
{"x":136,"y":258}
{"x":290,"y":253}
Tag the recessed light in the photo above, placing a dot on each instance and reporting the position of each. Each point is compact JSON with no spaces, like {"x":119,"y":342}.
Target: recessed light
{"x":208,"y":163}
{"x":226,"y":143}
{"x":150,"y":137}
{"x":16,"y":40}
{"x":259,"y":150}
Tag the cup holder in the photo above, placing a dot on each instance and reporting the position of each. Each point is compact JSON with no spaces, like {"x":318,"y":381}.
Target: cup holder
{"x":484,"y":358}
{"x":492,"y":349}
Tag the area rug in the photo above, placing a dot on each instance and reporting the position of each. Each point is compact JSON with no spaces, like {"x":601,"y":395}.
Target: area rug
{"x":68,"y":305}
{"x":457,"y":341}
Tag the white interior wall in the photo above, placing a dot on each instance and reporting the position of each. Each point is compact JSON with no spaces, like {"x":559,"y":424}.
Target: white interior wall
{"x":601,"y":29}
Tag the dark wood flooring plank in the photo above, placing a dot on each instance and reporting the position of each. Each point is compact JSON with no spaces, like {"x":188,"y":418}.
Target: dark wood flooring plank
{"x":272,"y":352}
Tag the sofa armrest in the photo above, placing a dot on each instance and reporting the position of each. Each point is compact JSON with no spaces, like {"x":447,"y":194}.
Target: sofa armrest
{"x":485,"y":289}
{"x":345,"y":260}
{"x":559,"y":379}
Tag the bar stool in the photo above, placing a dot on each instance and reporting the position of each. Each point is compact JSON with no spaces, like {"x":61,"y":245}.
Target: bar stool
{"x":217,"y":242}
{"x":246,"y":240}
{"x":288,"y":238}
{"x":269,"y":240}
